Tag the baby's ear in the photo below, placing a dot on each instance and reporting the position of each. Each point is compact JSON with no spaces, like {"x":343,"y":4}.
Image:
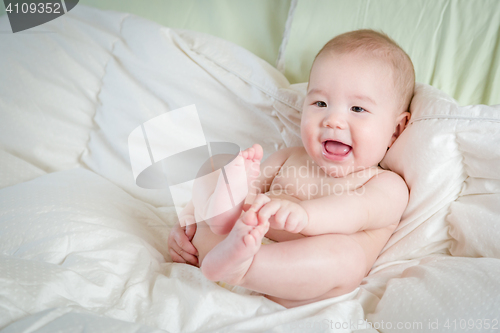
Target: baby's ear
{"x":401,"y":122}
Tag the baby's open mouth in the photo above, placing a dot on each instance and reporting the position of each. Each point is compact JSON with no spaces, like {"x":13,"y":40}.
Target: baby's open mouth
{"x":336,"y":148}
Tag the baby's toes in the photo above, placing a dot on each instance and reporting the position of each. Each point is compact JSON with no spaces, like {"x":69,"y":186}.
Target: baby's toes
{"x":260,"y":231}
{"x":258,"y":152}
{"x":251,"y":153}
{"x":250,"y":240}
{"x":250,"y":218}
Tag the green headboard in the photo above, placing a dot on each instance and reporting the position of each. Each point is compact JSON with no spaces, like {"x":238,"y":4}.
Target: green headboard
{"x":454,"y":44}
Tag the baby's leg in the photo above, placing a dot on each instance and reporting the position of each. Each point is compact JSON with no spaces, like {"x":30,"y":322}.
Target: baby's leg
{"x":210,"y":196}
{"x":295,"y":272}
{"x":307,"y":270}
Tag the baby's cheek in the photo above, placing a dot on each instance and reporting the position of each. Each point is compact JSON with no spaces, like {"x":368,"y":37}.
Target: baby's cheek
{"x":306,"y":138}
{"x":378,"y":154}
{"x":304,"y":128}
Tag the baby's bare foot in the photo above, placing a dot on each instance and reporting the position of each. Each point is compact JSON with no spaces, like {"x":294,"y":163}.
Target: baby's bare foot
{"x":252,"y":157}
{"x":238,"y":183}
{"x":230,"y":260}
{"x":225,"y":204}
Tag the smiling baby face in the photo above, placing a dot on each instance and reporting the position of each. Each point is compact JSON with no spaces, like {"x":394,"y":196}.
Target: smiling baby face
{"x":350,"y":112}
{"x":359,"y":91}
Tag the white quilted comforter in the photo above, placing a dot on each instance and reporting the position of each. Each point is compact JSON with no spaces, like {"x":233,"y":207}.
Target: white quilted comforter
{"x":82,"y":248}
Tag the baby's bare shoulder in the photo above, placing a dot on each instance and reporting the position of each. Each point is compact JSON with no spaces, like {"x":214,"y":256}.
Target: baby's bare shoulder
{"x":388,"y":192}
{"x":388,"y":179}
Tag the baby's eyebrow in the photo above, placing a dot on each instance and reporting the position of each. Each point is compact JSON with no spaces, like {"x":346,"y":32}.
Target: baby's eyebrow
{"x":364,"y":98}
{"x":315,"y":91}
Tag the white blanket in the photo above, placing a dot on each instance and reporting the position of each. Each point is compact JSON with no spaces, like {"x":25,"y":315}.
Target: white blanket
{"x":83,"y":247}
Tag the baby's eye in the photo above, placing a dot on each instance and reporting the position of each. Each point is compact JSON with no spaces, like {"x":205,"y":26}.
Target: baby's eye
{"x":357,"y":109}
{"x":320,"y":104}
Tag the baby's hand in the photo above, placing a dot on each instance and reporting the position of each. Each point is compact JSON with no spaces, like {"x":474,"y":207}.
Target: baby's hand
{"x":281,"y":214}
{"x":179,"y":243}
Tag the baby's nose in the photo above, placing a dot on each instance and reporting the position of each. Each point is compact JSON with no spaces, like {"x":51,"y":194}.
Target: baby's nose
{"x":335,"y":120}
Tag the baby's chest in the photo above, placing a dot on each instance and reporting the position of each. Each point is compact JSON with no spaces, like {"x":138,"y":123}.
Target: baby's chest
{"x":306,"y":183}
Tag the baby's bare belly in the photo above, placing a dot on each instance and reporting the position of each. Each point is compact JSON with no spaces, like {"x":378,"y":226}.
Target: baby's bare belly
{"x":371,"y":241}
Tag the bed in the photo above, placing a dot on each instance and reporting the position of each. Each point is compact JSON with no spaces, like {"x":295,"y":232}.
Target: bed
{"x":84,"y":249}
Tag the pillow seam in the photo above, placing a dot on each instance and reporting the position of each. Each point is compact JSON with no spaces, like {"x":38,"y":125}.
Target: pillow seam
{"x":447,"y":117}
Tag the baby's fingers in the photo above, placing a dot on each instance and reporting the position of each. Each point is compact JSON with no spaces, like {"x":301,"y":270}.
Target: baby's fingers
{"x":260,"y":201}
{"x":293,"y":223}
{"x":282,"y":219}
{"x":183,"y":242}
{"x":190,"y":231}
{"x":181,"y":256}
{"x":176,"y":257}
{"x":268,"y":210}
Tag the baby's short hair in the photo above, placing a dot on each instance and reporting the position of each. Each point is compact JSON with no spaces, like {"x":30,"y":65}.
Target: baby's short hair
{"x":382,"y":46}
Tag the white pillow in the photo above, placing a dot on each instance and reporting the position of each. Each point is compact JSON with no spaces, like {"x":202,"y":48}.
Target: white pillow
{"x":449,"y":156}
{"x":51,"y":77}
{"x":14,"y":170}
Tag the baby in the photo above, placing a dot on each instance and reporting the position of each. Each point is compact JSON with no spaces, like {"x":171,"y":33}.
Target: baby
{"x":327,"y":205}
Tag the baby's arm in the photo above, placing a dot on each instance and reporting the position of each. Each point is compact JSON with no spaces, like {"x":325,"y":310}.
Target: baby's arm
{"x":378,"y":204}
